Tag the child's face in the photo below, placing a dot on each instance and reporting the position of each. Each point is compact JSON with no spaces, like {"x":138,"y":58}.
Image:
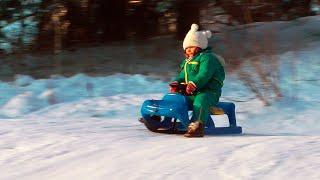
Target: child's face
{"x":191,"y":51}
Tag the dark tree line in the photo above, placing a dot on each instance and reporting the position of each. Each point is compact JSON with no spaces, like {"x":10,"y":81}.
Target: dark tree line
{"x":65,"y":23}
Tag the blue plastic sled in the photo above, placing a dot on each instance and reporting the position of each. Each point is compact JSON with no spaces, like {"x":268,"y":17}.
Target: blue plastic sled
{"x":171,"y":115}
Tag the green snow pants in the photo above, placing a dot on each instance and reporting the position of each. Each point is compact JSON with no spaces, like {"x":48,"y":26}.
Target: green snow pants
{"x":202,"y":102}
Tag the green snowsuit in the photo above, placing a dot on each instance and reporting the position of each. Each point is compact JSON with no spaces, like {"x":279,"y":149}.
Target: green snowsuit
{"x":207,"y":73}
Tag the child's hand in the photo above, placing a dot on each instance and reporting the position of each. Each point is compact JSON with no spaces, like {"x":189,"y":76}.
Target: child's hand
{"x":191,"y":87}
{"x":173,"y":87}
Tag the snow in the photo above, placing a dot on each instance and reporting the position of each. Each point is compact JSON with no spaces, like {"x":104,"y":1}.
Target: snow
{"x":14,"y":30}
{"x":86,"y":127}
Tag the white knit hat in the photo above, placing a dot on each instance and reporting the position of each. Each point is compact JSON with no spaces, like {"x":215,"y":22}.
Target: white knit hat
{"x":196,"y":38}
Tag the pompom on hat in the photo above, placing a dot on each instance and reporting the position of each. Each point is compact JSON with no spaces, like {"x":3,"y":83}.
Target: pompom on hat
{"x":196,"y":38}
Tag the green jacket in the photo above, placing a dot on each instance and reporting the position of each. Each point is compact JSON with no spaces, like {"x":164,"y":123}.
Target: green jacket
{"x":204,"y":70}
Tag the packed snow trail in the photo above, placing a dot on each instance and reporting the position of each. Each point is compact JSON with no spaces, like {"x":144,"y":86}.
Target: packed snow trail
{"x":94,"y":148}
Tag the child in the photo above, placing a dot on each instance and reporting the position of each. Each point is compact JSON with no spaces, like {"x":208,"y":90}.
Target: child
{"x":203,"y":73}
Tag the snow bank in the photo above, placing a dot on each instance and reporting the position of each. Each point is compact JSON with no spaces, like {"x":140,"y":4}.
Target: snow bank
{"x":120,"y":96}
{"x":26,"y":95}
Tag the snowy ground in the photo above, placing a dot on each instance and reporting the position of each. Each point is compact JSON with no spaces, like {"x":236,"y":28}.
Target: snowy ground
{"x":86,"y":128}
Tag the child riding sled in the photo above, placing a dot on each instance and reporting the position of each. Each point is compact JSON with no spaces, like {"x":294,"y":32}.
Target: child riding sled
{"x":203,"y":74}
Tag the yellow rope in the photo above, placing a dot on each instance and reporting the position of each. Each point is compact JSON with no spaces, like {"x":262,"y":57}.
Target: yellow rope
{"x":185,"y":72}
{"x":185,"y":69}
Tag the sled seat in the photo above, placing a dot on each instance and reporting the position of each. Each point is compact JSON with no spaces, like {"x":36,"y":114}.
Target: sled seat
{"x":216,"y":111}
{"x":222,"y":108}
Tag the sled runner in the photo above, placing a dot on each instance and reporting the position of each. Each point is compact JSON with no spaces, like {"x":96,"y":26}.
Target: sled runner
{"x":171,"y":115}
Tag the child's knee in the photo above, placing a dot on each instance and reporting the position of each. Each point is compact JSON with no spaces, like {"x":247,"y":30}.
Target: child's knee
{"x":201,"y":100}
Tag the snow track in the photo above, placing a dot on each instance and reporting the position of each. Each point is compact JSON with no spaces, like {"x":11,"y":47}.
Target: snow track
{"x":120,"y":149}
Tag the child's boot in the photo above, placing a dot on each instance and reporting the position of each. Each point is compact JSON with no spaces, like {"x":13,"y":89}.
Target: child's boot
{"x":195,"y":129}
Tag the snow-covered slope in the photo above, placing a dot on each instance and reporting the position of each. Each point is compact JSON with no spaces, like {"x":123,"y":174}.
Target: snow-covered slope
{"x":86,"y":128}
